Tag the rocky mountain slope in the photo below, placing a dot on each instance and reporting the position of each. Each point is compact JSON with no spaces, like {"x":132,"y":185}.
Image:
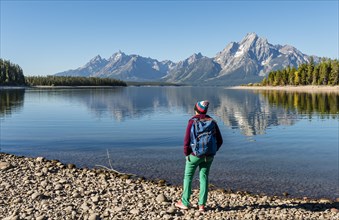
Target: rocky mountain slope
{"x":239,"y":62}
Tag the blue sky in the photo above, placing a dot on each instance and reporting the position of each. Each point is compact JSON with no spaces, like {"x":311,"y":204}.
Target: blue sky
{"x":46,"y":37}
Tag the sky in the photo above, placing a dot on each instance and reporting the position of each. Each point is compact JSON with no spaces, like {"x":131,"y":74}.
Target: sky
{"x":46,"y":37}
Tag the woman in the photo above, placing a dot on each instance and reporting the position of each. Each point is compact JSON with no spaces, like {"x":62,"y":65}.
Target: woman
{"x":202,"y":140}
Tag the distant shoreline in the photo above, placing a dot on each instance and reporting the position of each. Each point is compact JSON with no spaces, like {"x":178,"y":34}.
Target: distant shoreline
{"x":56,"y":87}
{"x":85,"y":87}
{"x":310,"y":88}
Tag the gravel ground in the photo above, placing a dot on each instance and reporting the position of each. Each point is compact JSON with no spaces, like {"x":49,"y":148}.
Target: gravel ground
{"x":36,"y":188}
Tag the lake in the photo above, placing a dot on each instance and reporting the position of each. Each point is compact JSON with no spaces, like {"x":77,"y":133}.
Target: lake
{"x":274,"y":141}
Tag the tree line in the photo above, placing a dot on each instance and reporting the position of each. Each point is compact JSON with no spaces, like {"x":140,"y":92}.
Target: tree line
{"x":72,"y":81}
{"x":11,"y":74}
{"x":324,"y":73}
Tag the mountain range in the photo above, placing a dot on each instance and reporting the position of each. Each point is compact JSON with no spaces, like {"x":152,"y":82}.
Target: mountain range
{"x":242,"y":62}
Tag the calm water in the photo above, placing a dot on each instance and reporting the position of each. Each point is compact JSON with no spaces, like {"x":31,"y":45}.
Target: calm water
{"x":274,"y":142}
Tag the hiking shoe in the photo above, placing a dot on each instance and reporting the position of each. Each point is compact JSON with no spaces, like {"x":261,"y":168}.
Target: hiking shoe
{"x":201,"y":208}
{"x":180,"y":205}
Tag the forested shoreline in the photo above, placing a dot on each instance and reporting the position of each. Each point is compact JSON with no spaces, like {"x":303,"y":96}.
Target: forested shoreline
{"x":12,"y":75}
{"x":325,"y":73}
{"x":71,"y":81}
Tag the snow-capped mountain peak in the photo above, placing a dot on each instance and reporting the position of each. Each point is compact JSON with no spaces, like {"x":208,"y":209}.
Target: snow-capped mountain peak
{"x":194,"y":58}
{"x":97,"y":58}
{"x":249,"y":39}
{"x":239,"y":62}
{"x":255,"y":56}
{"x":117,"y":56}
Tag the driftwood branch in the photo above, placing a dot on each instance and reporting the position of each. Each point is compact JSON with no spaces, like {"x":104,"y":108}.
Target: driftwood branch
{"x":111,"y":167}
{"x":109,"y":160}
{"x":129,"y":174}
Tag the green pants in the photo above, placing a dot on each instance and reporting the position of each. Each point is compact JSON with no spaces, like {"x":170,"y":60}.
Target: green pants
{"x":204,"y":168}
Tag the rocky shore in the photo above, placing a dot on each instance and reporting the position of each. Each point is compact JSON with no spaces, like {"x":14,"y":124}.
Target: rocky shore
{"x":36,"y":188}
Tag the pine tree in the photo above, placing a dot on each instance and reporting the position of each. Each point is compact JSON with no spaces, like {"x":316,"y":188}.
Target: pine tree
{"x":310,"y":69}
{"x":291,"y":76}
{"x":296,"y":78}
{"x":315,"y":76}
{"x":334,"y":74}
{"x":324,"y":73}
{"x":11,"y":74}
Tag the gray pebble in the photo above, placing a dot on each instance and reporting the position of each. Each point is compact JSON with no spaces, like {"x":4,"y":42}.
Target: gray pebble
{"x":161,"y":198}
{"x":36,"y":196}
{"x":135,"y":211}
{"x":94,"y":216}
{"x":5,"y":166}
{"x":95,"y":199}
{"x":171,"y":210}
{"x":39,"y":159}
{"x":41,"y":217}
{"x":58,"y":187}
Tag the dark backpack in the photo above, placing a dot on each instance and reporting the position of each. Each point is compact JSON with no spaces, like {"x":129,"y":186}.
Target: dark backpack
{"x":203,"y":140}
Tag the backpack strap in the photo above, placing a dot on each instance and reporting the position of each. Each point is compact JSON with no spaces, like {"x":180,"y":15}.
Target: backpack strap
{"x":195,"y":123}
{"x":203,"y":119}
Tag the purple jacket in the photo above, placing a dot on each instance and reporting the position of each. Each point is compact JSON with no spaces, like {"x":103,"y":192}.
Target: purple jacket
{"x":187,"y":140}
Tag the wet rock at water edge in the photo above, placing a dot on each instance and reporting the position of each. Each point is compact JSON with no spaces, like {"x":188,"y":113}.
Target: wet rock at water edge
{"x":220,"y":190}
{"x":71,"y":166}
{"x":286,"y":194}
{"x":161,"y":182}
{"x":324,"y":200}
{"x":125,"y":176}
{"x":39,"y":159}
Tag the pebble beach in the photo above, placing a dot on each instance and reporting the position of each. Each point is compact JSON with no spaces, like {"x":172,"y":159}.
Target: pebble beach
{"x":37,"y":188}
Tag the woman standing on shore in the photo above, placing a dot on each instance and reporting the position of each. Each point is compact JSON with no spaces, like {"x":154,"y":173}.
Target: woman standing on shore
{"x":202,"y":140}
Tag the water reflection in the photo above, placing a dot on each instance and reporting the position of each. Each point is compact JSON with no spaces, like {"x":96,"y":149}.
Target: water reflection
{"x":250,"y":112}
{"x":324,"y":104}
{"x":11,"y":101}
